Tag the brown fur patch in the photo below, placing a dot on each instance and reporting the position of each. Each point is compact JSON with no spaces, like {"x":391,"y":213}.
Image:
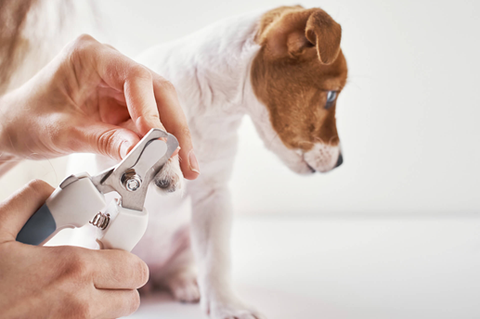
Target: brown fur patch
{"x":300,"y":60}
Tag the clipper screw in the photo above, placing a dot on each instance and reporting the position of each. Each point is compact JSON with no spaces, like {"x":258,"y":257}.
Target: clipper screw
{"x":132,"y":184}
{"x":131,"y":181}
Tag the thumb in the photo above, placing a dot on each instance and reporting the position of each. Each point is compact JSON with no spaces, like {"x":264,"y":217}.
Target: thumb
{"x":16,"y":210}
{"x":107,"y":139}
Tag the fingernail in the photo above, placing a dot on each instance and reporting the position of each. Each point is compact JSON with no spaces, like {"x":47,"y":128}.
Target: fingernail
{"x":176,"y":151}
{"x":124,"y":148}
{"x":192,"y":159}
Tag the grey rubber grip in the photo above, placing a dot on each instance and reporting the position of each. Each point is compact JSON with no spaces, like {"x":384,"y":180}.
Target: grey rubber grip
{"x":38,"y":227}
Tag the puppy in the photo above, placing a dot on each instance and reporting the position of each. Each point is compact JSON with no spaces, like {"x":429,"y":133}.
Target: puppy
{"x":284,"y":68}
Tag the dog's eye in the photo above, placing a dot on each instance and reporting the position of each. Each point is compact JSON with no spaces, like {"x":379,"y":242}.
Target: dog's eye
{"x":331,"y":97}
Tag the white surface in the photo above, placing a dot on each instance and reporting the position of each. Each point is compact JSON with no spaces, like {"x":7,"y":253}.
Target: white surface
{"x":352,"y":267}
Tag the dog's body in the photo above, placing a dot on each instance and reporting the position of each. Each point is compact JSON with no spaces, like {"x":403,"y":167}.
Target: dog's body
{"x":210,"y":70}
{"x":220,"y":75}
{"x":283,"y":68}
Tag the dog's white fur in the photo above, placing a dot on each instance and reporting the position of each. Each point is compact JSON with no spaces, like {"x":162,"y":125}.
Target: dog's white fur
{"x":211,"y":72}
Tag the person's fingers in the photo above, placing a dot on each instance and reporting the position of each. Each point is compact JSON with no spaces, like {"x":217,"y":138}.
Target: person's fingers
{"x":115,"y":303}
{"x":150,"y":99}
{"x":135,"y":80}
{"x":16,"y":210}
{"x":175,"y":122}
{"x":140,"y":98}
{"x":105,"y":139}
{"x":111,"y":108}
{"x":118,"y":269}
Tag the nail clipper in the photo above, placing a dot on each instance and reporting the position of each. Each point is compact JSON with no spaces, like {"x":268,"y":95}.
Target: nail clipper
{"x":81,"y":197}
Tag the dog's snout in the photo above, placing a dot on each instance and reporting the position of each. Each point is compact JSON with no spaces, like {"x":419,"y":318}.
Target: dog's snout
{"x":339,"y":160}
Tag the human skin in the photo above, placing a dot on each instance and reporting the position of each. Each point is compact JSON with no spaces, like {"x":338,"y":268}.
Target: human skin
{"x":61,"y":282}
{"x":91,"y":98}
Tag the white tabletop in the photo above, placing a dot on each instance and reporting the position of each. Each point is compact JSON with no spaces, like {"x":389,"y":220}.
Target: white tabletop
{"x":350,"y":267}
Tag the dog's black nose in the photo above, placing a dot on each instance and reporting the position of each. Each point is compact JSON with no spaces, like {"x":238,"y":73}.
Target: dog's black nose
{"x":339,"y":160}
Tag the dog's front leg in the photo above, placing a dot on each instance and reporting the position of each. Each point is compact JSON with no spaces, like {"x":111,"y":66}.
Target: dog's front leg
{"x":211,"y":224}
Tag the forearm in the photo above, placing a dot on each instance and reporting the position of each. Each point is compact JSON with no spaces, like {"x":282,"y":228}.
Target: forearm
{"x":7,"y":159}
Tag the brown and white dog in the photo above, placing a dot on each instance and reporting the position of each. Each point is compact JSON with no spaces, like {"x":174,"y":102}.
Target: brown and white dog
{"x":284,"y":68}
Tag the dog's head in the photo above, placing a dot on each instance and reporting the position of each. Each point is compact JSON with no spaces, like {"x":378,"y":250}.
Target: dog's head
{"x":298,"y":74}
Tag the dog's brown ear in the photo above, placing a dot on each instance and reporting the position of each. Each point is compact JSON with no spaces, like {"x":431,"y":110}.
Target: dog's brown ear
{"x":326,"y":34}
{"x":297,"y":32}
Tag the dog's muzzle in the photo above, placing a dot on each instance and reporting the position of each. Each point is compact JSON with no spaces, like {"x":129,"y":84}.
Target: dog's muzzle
{"x":337,"y":164}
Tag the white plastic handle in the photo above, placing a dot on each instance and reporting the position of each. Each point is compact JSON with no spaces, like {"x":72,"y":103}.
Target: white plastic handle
{"x":76,"y":204}
{"x":68,"y":207}
{"x":125,"y":229}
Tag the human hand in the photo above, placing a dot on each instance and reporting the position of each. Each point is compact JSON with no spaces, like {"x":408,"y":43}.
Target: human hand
{"x":91,"y":98}
{"x":61,"y":282}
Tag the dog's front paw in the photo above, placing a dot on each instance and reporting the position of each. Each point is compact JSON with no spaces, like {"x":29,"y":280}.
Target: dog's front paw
{"x":228,"y":308}
{"x":170,"y":178}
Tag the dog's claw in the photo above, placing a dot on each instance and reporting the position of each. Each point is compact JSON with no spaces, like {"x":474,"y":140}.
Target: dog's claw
{"x":163,"y":183}
{"x":170,"y":178}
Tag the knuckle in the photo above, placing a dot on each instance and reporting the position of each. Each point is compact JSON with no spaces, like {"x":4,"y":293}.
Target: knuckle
{"x":140,"y":71}
{"x":185,"y":131}
{"x":105,"y":141}
{"x":85,"y":38}
{"x":39,"y":187}
{"x":139,"y":269}
{"x":77,"y":265}
{"x":82,"y":43}
{"x":143,"y":271}
{"x":166,"y":86}
{"x":110,"y":46}
{"x":80,"y":52}
{"x":134,"y":302}
{"x":150,"y":116}
{"x":78,"y":308}
{"x":74,"y":304}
